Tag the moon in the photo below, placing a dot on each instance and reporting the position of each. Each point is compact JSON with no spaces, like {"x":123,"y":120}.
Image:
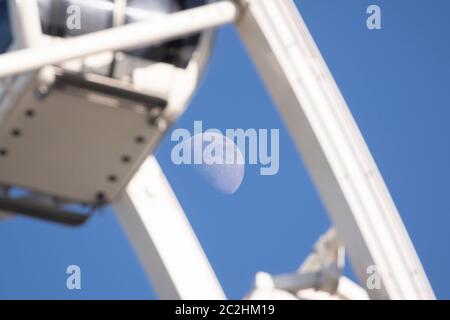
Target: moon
{"x":224,"y":177}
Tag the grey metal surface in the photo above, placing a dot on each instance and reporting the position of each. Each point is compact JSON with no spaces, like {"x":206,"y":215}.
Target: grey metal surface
{"x":73,"y":144}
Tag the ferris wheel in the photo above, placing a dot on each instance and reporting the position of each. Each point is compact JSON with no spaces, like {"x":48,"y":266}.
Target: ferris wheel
{"x":83,"y":109}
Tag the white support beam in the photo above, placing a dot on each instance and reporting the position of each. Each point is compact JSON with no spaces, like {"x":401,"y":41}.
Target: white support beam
{"x":332,"y":147}
{"x":25,"y":23}
{"x":348,"y":290}
{"x":163,"y":239}
{"x":130,"y":36}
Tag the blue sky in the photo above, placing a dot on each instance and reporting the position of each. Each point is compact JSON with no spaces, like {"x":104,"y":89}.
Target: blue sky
{"x":396,"y":82}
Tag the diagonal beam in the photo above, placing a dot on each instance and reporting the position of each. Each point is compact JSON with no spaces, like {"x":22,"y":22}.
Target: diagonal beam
{"x":130,"y":36}
{"x":334,"y":151}
{"x":163,"y":239}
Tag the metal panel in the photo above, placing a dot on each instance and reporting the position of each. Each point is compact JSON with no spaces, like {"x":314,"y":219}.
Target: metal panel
{"x":73,"y":143}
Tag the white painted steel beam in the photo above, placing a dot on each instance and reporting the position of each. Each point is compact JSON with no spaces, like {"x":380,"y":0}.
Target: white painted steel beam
{"x":163,"y":239}
{"x":26,"y":23}
{"x":130,"y":36}
{"x":334,"y":151}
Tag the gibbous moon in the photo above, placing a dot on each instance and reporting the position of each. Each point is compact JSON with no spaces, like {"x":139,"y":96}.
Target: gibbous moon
{"x":215,"y":150}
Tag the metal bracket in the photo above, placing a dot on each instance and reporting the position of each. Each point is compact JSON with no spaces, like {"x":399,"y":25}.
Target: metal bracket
{"x":45,"y":209}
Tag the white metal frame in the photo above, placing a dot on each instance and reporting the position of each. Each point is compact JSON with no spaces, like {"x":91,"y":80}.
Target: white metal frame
{"x":163,"y":238}
{"x":332,"y":147}
{"x":318,"y":119}
{"x":319,"y":277}
{"x":132,"y":36}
